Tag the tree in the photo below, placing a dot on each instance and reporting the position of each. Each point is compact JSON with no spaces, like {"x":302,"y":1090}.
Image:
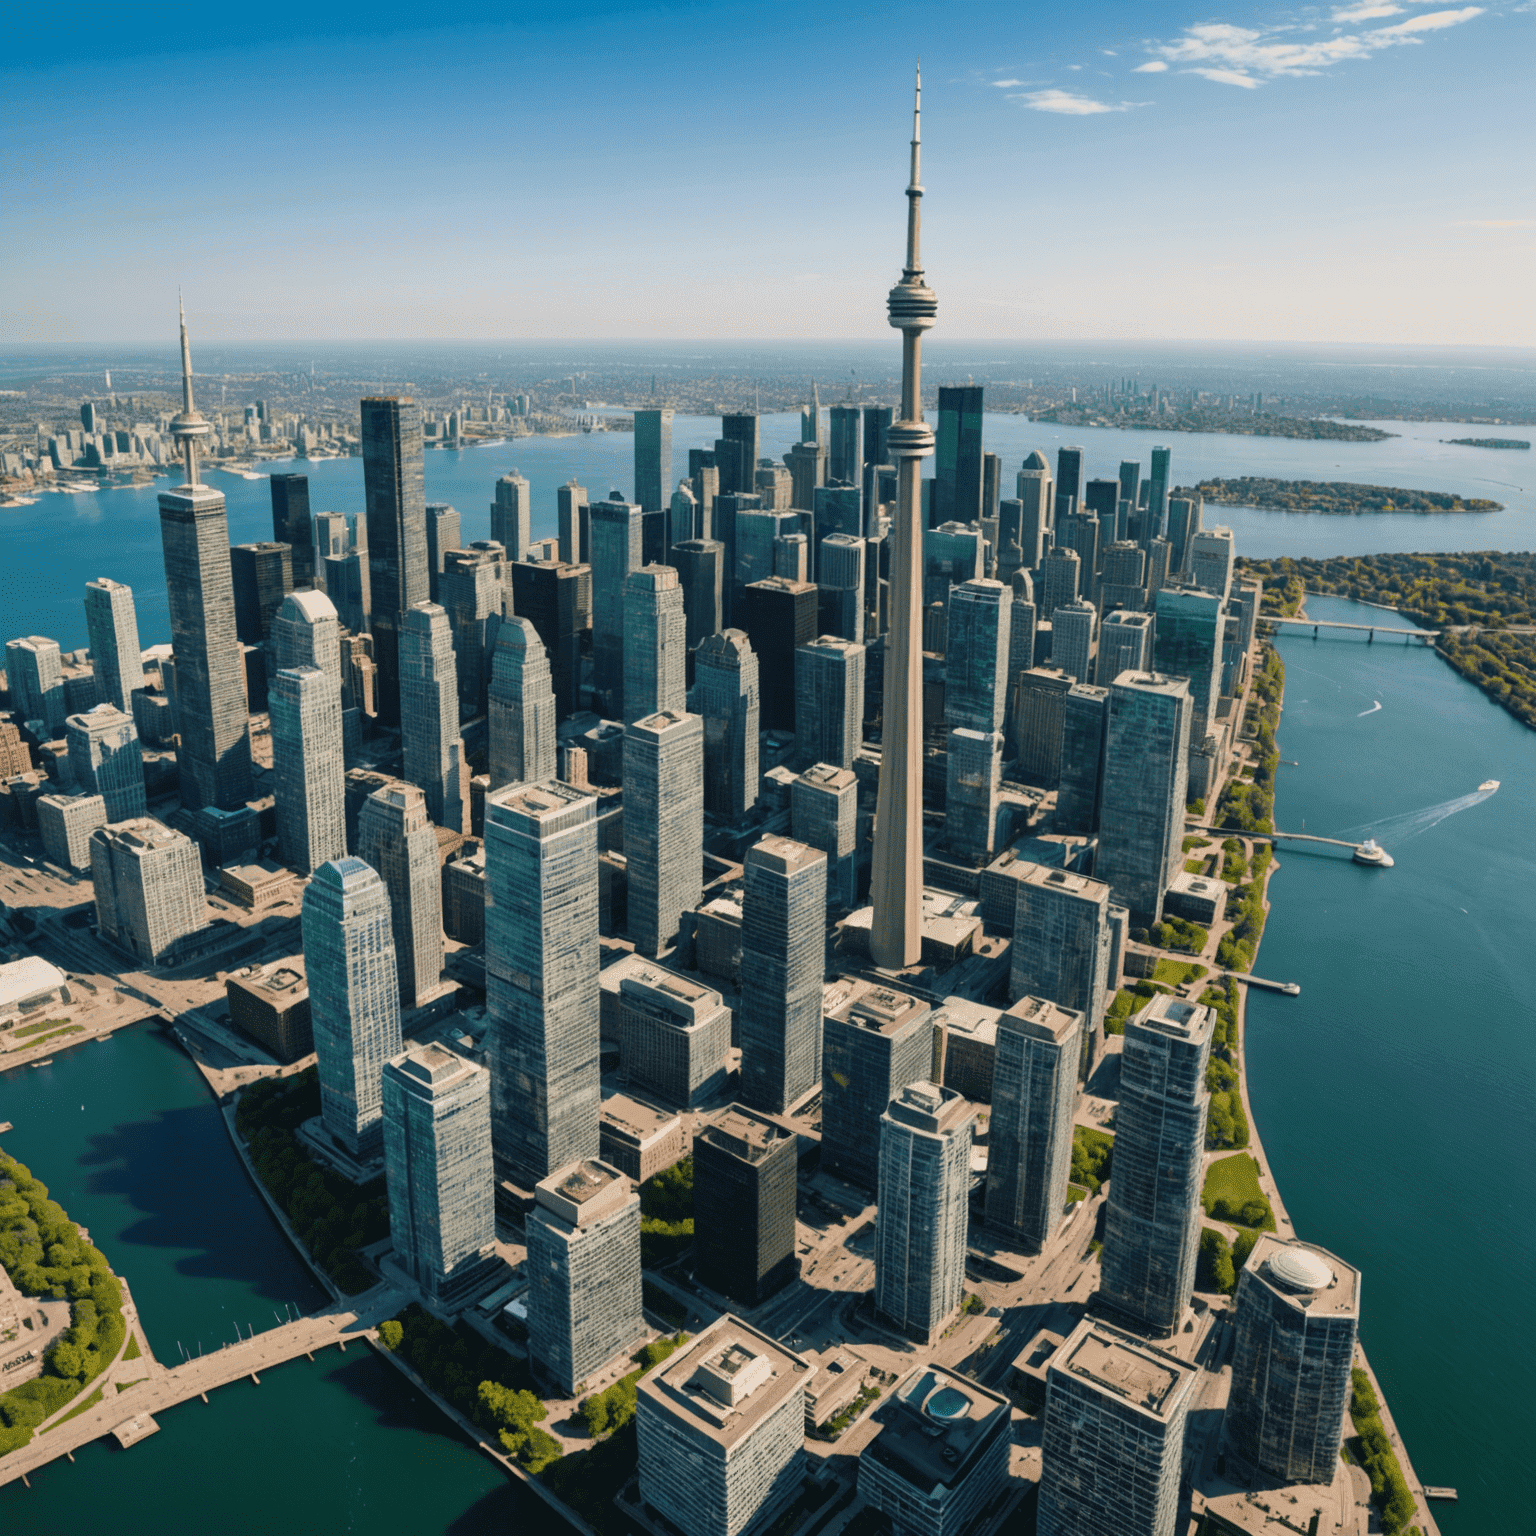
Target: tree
{"x":1214,"y":1269}
{"x":390,"y":1333}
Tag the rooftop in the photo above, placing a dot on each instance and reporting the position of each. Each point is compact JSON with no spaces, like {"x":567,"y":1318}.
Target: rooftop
{"x":927,"y":1107}
{"x":632,"y":1118}
{"x":934,"y":1424}
{"x":744,"y":1132}
{"x":783,"y":854}
{"x":1119,"y":1365}
{"x":1042,"y":1019}
{"x":584,"y":1191}
{"x":1177,"y":1019}
{"x":1064,"y":882}
{"x":435,"y":1065}
{"x":1306,"y":1276}
{"x":882,"y":1010}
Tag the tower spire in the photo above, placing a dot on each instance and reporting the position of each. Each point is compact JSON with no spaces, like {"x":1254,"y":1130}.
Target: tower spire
{"x":187,"y":425}
{"x":915,"y":185}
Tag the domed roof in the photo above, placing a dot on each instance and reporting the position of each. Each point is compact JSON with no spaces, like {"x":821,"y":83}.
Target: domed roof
{"x":1300,"y":1269}
{"x":946,"y":1404}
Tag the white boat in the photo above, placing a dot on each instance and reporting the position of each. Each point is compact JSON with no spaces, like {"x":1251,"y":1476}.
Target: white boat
{"x":1373,"y":855}
{"x":1488,"y":786}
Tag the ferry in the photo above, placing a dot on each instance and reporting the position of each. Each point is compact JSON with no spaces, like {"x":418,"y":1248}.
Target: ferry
{"x":1373,"y":855}
{"x":1488,"y":786}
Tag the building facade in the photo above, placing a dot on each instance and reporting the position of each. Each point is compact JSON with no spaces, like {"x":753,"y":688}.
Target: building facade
{"x":663,"y":824}
{"x":745,"y":1169}
{"x":149,"y":888}
{"x":829,"y":701}
{"x":395,"y":836}
{"x":727,"y":698}
{"x":428,"y":698}
{"x":105,"y":759}
{"x":655,"y":643}
{"x":521,"y":707}
{"x":113,"y":626}
{"x":308,"y":771}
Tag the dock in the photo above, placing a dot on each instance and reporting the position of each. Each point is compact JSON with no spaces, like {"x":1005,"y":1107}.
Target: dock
{"x":1440,"y":1495}
{"x":1290,"y":988}
{"x":131,"y":1431}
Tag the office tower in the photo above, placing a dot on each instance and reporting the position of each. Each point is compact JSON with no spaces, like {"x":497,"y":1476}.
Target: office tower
{"x":704,"y":482}
{"x":148,"y":882}
{"x":432,"y":752}
{"x":682,"y":517}
{"x":976,"y":658}
{"x":1034,"y":1093}
{"x":293,"y":526}
{"x":728,"y":505}
{"x":775,"y":485}
{"x":214,"y":758}
{"x":354,"y":997}
{"x":1039,"y":724}
{"x":1141,"y":806}
{"x":262,"y":575}
{"x":557,"y":600}
{"x":742,"y":431}
{"x":271,"y":1004}
{"x":1130,"y":491}
{"x":573,"y":523}
{"x":839,"y":509}
{"x":845,"y":459}
{"x":347,"y":585}
{"x":1101,"y":501}
{"x":113,"y":627}
{"x":655,"y":642}
{"x":395,"y":837}
{"x":1295,"y":1317}
{"x":952,"y":553}
{"x":306,"y":632}
{"x":105,"y":759}
{"x":877,"y":424}
{"x":1021,"y":629}
{"x":840,"y":587}
{"x":744,"y":1172}
{"x":991,"y":494}
{"x":922,"y":1221}
{"x":1124,"y":582}
{"x":1083,"y":730}
{"x":1159,"y":566}
{"x":1153,"y":1214}
{"x":1069,"y":479}
{"x":973,"y":773}
{"x":792,"y":556}
{"x":698,"y":566}
{"x":1211,"y":561}
{"x":1074,"y":626}
{"x":808,"y":470}
{"x":824,"y":814}
{"x":673,"y":1036}
{"x":397,"y":532}
{"x":721,"y":1432}
{"x":474,"y":589}
{"x":437,"y":1167}
{"x":653,"y":458}
{"x":958,"y":469}
{"x":779,"y":617}
{"x":829,"y":701}
{"x":810,"y":418}
{"x":875,"y":1043}
{"x":584,"y":1302}
{"x":1061,"y":946}
{"x":541,"y":965}
{"x":521,"y":707}
{"x":783,"y":960}
{"x":308,"y":768}
{"x":512,"y":515}
{"x":65,"y":823}
{"x":897,"y":880}
{"x":1187,"y":643}
{"x":444,"y":532}
{"x":330,"y":537}
{"x":1058,"y":582}
{"x":663,"y":824}
{"x":1037,"y":491}
{"x":727,"y":672}
{"x":1081,"y":534}
{"x":1157,"y":493}
{"x":617,"y":536}
{"x":1183,"y":525}
{"x":1113,"y":1448}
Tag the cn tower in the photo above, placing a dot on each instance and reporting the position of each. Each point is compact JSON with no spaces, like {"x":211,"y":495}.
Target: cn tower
{"x":897,"y":878}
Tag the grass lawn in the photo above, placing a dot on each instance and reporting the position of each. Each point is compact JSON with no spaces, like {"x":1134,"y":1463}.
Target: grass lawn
{"x":90,"y":1402}
{"x":1177,"y":972}
{"x":53,"y":1034}
{"x":133,"y":1351}
{"x":1076,"y":1192}
{"x":42,"y":1024}
{"x":1235,"y":1179}
{"x":1194,"y":866}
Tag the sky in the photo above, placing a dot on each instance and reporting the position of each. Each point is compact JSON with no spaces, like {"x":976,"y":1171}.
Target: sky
{"x":1359,"y":172}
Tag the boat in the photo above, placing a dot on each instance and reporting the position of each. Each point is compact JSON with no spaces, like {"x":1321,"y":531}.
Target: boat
{"x":1373,"y":855}
{"x":1488,"y":786}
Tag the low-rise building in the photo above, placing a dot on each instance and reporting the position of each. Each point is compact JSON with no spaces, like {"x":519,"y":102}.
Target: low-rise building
{"x":1196,"y":898}
{"x":255,"y":886}
{"x":965,"y":1047}
{"x":271,"y":1005}
{"x":30,"y":983}
{"x":638,"y":1140}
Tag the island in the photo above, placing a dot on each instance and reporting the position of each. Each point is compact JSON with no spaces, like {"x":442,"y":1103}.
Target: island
{"x":1203,"y":418}
{"x":1342,"y":497}
{"x":1487,"y":442}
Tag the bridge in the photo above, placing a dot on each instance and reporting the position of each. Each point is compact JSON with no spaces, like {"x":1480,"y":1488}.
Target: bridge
{"x":1271,"y":837}
{"x":128,"y":1415}
{"x":1427,"y":636}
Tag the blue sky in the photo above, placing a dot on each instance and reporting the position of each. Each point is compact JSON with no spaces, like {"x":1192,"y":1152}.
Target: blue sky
{"x":1353,"y":172}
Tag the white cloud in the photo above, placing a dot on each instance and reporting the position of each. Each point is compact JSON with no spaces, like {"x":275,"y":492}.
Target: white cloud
{"x":1072,"y":105}
{"x":1368,"y":10}
{"x":1001,"y":84}
{"x":1495,"y":224}
{"x":1152,"y":67}
{"x":1109,"y":53}
{"x":1433,"y":21}
{"x":1229,"y":77}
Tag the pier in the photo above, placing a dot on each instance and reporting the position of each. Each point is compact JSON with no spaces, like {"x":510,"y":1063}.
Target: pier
{"x":1275,"y":837}
{"x":1290,"y":988}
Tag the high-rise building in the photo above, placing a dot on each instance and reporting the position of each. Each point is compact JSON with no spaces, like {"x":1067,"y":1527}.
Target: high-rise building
{"x":740,"y":431}
{"x":875,"y":1042}
{"x":721,"y":1432}
{"x":727,"y":672}
{"x":663,"y":824}
{"x":354,"y":997}
{"x":783,"y":962}
{"x":617,"y":537}
{"x":106,"y":760}
{"x":1141,"y":806}
{"x":840,"y":586}
{"x":952,"y":553}
{"x":727,"y":507}
{"x":1021,"y":635}
{"x":1183,"y":525}
{"x":700,"y":573}
{"x":557,"y":599}
{"x":877,"y":423}
{"x":655,"y":642}
{"x":829,"y":701}
{"x":429,"y":715}
{"x":541,"y":964}
{"x":1061,"y":946}
{"x":1040,"y":723}
{"x":113,"y":627}
{"x":1058,"y":582}
{"x":396,"y":501}
{"x":521,"y":702}
{"x":1153,"y":1214}
{"x":779,"y":617}
{"x":807,"y":471}
{"x":347,"y":585}
{"x":653,"y":458}
{"x":922,"y":1222}
{"x":845,"y":459}
{"x":758,"y":530}
{"x":682,"y":518}
{"x":66,"y":823}
{"x":444,"y":532}
{"x":673,"y":1036}
{"x":1084,"y":723}
{"x":958,"y":469}
{"x":1187,"y":643}
{"x":437,"y":1167}
{"x":839,"y":509}
{"x":1130,"y":487}
{"x":1159,"y":566}
{"x":512,"y":515}
{"x":1034,"y":1093}
{"x":1125,"y":644}
{"x":1113,"y":1449}
{"x":308,"y":770}
{"x":1157,"y":492}
{"x":1212,"y":560}
{"x":1036,"y":490}
{"x":792,"y":556}
{"x":824,"y":814}
{"x":973,"y":773}
{"x":262,"y":575}
{"x":976,"y":657}
{"x":573,"y":523}
{"x":1074,"y":627}
{"x":473,"y":590}
{"x":1124,"y":583}
{"x":744,"y":1181}
{"x":148,"y":882}
{"x":307,"y":633}
{"x":584,"y":1292}
{"x":293,"y":526}
{"x":395,"y":837}
{"x":1295,"y":1318}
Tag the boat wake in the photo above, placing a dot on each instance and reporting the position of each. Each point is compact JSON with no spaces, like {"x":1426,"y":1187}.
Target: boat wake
{"x":1407,"y":824}
{"x":1371,"y":711}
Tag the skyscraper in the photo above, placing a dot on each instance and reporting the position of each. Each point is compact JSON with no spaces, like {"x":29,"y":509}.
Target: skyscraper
{"x":1069,"y":480}
{"x":958,"y":473}
{"x":573,"y":523}
{"x":1153,"y":1214}
{"x":829,"y":701}
{"x":557,"y":600}
{"x":106,"y":760}
{"x":541,"y":963}
{"x":877,"y":423}
{"x":1157,"y":493}
{"x":779,"y":616}
{"x":973,"y":771}
{"x":215,"y":754}
{"x":1021,"y":639}
{"x":1034,"y":1092}
{"x":437,"y":1166}
{"x":617,"y":535}
{"x":839,"y":509}
{"x":262,"y":575}
{"x":845,"y":458}
{"x":840,"y":586}
{"x":682,"y":518}
{"x":922,"y":1220}
{"x":354,"y":997}
{"x":1211,"y":561}
{"x":1187,"y":643}
{"x":1125,"y":644}
{"x":897,"y":882}
{"x":512,"y":515}
{"x":727,"y":671}
{"x":521,"y":707}
{"x":757,"y":531}
{"x":1183,"y":526}
{"x":653,"y":458}
{"x":655,"y":642}
{"x":66,"y":824}
{"x":292,"y":525}
{"x":1059,"y":581}
{"x":474,"y":592}
{"x":824,"y":814}
{"x":395,"y":837}
{"x":307,"y":633}
{"x":1037,"y":498}
{"x":1125,"y":577}
{"x":395,"y":497}
{"x":663,"y":824}
{"x":1074,"y":627}
{"x":1039,"y":724}
{"x":1084,"y":723}
{"x":429,"y":715}
{"x":308,"y":771}
{"x":741,"y":432}
{"x":783,"y":962}
{"x":744,"y":1181}
{"x":674,"y":1035}
{"x":807,"y":470}
{"x":699,"y":567}
{"x":113,"y":627}
{"x":1141,"y":807}
{"x":444,"y":532}
{"x":976,"y":658}
{"x":148,"y":883}
{"x":728,"y":505}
